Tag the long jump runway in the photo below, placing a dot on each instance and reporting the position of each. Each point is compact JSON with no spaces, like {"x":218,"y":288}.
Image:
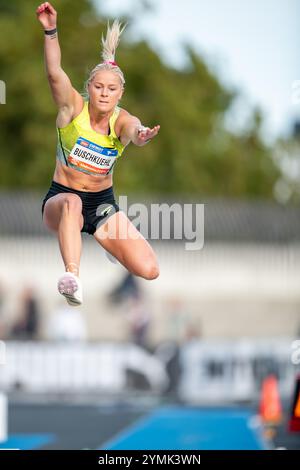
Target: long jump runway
{"x":191,"y":428}
{"x":119,"y":427}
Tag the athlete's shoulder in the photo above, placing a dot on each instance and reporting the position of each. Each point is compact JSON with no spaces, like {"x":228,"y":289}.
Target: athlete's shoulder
{"x":124,"y":116}
{"x":123,"y":113}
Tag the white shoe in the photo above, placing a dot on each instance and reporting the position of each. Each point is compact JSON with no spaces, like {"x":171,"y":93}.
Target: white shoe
{"x":70,"y":287}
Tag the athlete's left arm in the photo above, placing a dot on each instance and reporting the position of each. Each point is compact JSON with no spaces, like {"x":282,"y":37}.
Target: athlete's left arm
{"x":133,"y":131}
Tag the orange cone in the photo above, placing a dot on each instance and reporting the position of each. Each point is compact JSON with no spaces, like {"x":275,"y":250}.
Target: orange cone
{"x":270,"y":409}
{"x":294,"y":423}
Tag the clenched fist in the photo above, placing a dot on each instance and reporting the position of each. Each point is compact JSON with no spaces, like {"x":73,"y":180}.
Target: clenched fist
{"x":46,"y":15}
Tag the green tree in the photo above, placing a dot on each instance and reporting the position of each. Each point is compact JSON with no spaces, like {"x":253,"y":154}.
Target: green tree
{"x":287,"y":157}
{"x":193,"y":154}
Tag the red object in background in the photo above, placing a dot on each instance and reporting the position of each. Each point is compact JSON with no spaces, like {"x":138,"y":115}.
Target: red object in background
{"x":270,"y":409}
{"x":294,"y":422}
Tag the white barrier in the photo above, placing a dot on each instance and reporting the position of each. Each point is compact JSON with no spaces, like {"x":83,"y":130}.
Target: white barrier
{"x":212,"y":370}
{"x":233,"y":370}
{"x":71,"y":367}
{"x":3,"y":417}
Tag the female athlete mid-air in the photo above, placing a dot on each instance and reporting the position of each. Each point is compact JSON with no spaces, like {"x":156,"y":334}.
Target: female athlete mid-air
{"x":91,"y":135}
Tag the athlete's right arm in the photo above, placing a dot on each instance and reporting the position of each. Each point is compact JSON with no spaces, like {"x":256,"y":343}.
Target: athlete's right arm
{"x":63,"y":93}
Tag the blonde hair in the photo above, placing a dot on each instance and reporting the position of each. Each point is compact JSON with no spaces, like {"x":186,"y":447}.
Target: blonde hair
{"x":109,"y":45}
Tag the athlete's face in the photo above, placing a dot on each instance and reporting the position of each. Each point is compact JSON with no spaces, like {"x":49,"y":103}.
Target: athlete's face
{"x":105,"y":90}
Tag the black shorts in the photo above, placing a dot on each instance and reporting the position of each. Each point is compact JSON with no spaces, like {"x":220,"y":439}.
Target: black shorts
{"x":97,"y":207}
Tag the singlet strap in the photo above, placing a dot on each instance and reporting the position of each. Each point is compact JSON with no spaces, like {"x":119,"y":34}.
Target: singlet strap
{"x":112,"y":121}
{"x":62,"y":151}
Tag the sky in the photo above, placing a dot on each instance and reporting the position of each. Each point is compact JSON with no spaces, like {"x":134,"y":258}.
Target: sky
{"x":252,"y":45}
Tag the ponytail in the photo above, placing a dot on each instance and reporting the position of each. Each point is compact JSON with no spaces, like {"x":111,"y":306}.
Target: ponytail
{"x":111,"y":41}
{"x":109,"y":46}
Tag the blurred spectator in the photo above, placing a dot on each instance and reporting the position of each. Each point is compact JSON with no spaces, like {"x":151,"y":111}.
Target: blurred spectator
{"x":169,"y":354}
{"x":128,"y":287}
{"x":177,"y":319}
{"x":193,"y":331}
{"x":139,"y":319}
{"x":66,"y":324}
{"x":1,"y":296}
{"x":2,"y":323}
{"x":298,"y":331}
{"x":27,"y":325}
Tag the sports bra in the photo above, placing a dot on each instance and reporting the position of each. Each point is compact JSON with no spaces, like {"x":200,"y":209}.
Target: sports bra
{"x":82,"y":148}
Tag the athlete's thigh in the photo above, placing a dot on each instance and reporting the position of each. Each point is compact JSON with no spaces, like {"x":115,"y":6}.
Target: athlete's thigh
{"x":53,"y":209}
{"x":121,"y":238}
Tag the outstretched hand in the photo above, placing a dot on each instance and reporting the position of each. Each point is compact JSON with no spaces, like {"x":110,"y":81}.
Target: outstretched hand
{"x":145,"y":134}
{"x":46,"y":15}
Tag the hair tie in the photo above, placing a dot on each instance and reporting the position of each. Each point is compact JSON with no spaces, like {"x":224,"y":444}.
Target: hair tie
{"x":111,"y":62}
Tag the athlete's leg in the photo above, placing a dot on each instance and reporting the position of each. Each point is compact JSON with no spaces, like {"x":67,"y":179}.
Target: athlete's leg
{"x":62,"y":214}
{"x":120,"y":238}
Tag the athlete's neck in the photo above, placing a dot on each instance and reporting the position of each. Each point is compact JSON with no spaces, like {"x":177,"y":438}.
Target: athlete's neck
{"x":97,"y":117}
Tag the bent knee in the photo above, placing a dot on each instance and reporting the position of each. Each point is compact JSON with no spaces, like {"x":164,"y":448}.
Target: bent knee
{"x":60,"y":207}
{"x":150,"y":270}
{"x":71,"y":204}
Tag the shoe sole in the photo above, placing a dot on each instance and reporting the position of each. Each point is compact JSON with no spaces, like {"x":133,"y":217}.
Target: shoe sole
{"x":68,"y":296}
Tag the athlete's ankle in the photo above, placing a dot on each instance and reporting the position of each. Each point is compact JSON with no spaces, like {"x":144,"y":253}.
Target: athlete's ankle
{"x":72,"y":268}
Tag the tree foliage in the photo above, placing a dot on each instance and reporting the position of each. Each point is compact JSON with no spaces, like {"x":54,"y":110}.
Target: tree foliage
{"x":194,"y":153}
